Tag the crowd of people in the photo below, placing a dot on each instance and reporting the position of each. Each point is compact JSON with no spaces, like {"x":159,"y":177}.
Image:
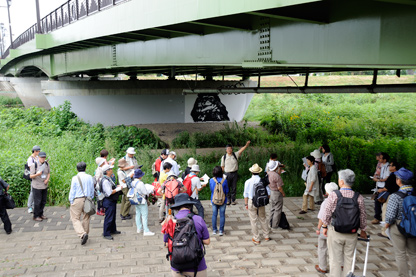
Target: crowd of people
{"x":341,"y":215}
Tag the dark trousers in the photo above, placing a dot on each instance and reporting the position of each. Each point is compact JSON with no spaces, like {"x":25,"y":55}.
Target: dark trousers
{"x":199,"y":207}
{"x":327,"y":179}
{"x":4,"y":216}
{"x":232,"y":178}
{"x":110,"y":217}
{"x":39,"y":199}
{"x":377,"y":209}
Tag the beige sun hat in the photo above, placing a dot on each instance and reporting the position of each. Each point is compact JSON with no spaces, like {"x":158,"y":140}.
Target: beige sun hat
{"x":316,"y":154}
{"x":122,"y":163}
{"x":191,"y":162}
{"x":255,"y":169}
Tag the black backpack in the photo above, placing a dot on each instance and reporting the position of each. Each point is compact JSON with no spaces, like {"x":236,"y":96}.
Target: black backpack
{"x":26,"y":173}
{"x":346,"y":217}
{"x":260,"y":197}
{"x":265,"y":180}
{"x":187,"y":250}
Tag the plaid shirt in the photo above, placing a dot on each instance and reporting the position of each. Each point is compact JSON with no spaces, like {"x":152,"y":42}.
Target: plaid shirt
{"x":332,"y":204}
{"x":395,"y":206}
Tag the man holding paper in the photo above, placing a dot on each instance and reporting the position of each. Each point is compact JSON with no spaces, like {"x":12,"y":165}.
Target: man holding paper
{"x":125,"y":181}
{"x":111,"y":192}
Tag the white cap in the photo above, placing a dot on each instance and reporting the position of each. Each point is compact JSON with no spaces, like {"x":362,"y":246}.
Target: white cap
{"x":330,"y":187}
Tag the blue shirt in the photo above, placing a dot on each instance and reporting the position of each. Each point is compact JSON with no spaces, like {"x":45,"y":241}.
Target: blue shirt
{"x":224,"y":187}
{"x":87,"y":183}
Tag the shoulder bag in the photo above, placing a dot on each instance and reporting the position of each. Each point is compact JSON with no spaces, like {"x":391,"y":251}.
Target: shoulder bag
{"x":89,"y":206}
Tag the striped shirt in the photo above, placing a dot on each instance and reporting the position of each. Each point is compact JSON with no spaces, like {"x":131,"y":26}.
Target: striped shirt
{"x":332,"y":204}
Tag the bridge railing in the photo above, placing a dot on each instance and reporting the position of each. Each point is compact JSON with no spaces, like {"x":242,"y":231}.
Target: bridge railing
{"x":67,"y":13}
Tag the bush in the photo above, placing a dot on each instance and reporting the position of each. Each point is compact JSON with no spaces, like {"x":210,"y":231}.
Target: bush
{"x":231,"y":134}
{"x":66,"y":140}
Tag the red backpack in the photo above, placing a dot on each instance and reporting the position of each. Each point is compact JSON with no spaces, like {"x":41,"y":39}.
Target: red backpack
{"x":188,"y":183}
{"x":172,"y":187}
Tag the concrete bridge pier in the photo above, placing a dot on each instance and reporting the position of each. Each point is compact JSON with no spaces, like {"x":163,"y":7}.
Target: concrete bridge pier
{"x":114,"y":102}
{"x":30,"y":92}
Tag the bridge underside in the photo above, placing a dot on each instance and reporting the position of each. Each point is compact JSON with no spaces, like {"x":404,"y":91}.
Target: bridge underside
{"x":304,"y":37}
{"x":209,"y":38}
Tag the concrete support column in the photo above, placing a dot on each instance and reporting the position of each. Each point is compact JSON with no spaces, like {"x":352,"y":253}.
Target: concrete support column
{"x":30,"y":92}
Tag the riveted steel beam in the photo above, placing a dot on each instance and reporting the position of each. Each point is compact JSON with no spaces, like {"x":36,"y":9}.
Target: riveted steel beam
{"x":411,"y":88}
{"x":285,"y":17}
{"x":217,"y":26}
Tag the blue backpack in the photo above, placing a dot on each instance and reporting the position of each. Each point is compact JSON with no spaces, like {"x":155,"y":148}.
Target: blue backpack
{"x":408,"y":224}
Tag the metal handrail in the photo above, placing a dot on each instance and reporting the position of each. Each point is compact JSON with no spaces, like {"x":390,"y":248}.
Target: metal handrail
{"x":67,"y":13}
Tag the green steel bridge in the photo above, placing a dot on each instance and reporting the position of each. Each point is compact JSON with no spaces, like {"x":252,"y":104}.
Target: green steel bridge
{"x":91,"y":38}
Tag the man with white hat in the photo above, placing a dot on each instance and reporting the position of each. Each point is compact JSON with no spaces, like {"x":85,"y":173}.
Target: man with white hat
{"x":256,"y":214}
{"x":196,"y":187}
{"x":171,"y":159}
{"x":276,"y":193}
{"x":132,"y":163}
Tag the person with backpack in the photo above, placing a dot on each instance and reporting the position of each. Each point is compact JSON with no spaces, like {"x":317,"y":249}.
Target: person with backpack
{"x":40,"y":175}
{"x":159,"y":193}
{"x":191,"y":161}
{"x":82,"y":186}
{"x":98,"y":175}
{"x":229,"y":165}
{"x":33,"y":159}
{"x":187,"y":259}
{"x":193,"y":187}
{"x":400,"y":221}
{"x":312,"y":186}
{"x":345,"y":211}
{"x":4,"y":187}
{"x":276,"y":193}
{"x":219,"y":190}
{"x":142,"y":210}
{"x":171,"y":187}
{"x":111,"y":192}
{"x":256,"y":197}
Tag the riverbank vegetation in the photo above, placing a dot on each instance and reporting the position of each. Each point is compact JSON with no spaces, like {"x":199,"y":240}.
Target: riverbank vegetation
{"x":355,"y":127}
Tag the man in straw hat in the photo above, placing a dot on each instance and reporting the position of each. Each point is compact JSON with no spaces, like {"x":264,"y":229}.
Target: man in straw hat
{"x":184,"y":203}
{"x":124,"y":180}
{"x":256,"y":214}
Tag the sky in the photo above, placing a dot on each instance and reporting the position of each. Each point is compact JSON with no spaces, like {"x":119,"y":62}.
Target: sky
{"x":23,"y":14}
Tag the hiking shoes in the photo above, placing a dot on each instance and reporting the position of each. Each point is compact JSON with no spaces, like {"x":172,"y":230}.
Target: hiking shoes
{"x":256,"y":242}
{"x":84,"y":239}
{"x":148,"y":234}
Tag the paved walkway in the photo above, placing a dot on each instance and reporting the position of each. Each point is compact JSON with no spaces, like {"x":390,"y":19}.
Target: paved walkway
{"x":51,"y":248}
